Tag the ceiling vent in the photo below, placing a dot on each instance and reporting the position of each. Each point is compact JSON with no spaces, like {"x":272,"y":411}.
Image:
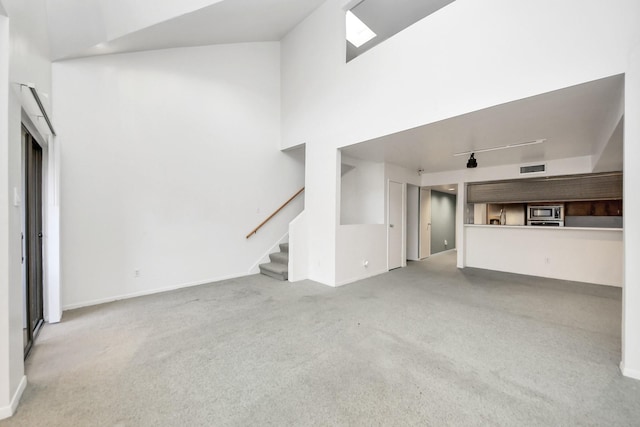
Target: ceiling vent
{"x":540,"y":168}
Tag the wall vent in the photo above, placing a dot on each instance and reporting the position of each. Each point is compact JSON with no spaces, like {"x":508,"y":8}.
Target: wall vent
{"x":541,"y":168}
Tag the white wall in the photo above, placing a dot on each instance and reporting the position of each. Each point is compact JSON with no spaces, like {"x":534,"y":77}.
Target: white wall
{"x":5,"y":230}
{"x":465,"y":74}
{"x":25,"y":53}
{"x":357,"y":244}
{"x":631,"y":293}
{"x":467,"y":56}
{"x":170,"y":158}
{"x":581,"y":255}
{"x":416,"y":77}
{"x":298,"y":248}
{"x":322,"y":194}
{"x":362,"y":192}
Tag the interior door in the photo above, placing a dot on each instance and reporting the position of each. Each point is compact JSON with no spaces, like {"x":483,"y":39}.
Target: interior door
{"x":425,"y":222}
{"x":396,"y":225}
{"x":32,"y":239}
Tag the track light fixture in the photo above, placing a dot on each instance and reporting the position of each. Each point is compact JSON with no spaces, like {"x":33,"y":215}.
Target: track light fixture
{"x":472,"y":163}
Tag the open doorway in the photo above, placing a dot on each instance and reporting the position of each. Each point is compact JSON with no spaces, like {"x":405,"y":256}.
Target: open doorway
{"x":432,"y":211}
{"x":33,"y":313}
{"x":443,"y":221}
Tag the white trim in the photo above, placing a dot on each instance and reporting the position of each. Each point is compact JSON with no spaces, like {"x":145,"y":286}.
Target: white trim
{"x":442,"y":252}
{"x":150,"y":292}
{"x":631,"y":373}
{"x":403,"y":215}
{"x":265,"y":257}
{"x":51,"y":264}
{"x":358,"y":278}
{"x":437,"y":253}
{"x":8,"y":411}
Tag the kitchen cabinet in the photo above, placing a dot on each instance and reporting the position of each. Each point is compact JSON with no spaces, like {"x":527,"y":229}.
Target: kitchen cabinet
{"x":594,"y":208}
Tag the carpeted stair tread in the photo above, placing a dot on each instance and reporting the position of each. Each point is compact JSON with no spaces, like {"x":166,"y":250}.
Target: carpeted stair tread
{"x":275,"y":270}
{"x":280,"y":257}
{"x":278,"y":268}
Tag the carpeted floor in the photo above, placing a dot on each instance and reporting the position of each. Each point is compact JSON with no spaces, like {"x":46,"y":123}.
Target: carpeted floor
{"x":427,"y":344}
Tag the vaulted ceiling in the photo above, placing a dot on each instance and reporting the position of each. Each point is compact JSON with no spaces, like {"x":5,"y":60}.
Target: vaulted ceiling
{"x":92,"y":27}
{"x":584,"y":120}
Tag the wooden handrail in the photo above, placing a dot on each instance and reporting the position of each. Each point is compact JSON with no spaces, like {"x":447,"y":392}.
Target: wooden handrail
{"x":255,"y":230}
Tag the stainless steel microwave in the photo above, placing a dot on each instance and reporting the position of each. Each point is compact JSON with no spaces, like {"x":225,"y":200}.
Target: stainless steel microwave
{"x":539,"y":213}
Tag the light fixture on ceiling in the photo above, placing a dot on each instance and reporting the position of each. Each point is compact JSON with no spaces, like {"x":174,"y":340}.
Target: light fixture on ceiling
{"x":420,"y":171}
{"x":500,"y":147}
{"x":472,"y":162}
{"x":357,"y":31}
{"x":452,"y":189}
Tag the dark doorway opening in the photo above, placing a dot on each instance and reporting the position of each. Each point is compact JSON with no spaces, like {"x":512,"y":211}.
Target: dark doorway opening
{"x":32,"y":240}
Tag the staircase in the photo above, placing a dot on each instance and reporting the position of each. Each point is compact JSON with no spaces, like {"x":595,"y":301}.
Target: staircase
{"x":278,"y":268}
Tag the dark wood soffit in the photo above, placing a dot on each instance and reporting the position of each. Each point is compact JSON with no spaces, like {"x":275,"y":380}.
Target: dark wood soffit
{"x":603,"y":186}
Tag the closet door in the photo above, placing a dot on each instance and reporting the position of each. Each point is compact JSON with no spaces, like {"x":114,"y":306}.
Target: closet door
{"x":32,"y":239}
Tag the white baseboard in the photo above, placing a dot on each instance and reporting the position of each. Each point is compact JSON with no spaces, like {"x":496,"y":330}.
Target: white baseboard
{"x":150,"y":292}
{"x":8,"y":411}
{"x":355,"y":279}
{"x":631,"y":373}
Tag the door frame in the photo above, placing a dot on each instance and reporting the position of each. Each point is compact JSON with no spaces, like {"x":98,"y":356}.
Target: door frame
{"x":32,"y":237}
{"x":413,"y":222}
{"x":424,"y":250}
{"x":403,"y":220}
{"x":52,"y":304}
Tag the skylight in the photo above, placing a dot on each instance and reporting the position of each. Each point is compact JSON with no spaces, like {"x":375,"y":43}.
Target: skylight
{"x":357,"y":32}
{"x":371,"y":22}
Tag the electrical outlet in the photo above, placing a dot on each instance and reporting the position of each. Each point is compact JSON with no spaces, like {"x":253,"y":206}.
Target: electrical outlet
{"x":136,"y":273}
{"x":445,"y":242}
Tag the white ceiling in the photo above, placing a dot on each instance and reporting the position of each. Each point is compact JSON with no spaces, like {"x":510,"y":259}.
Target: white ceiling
{"x":576,"y":121}
{"x":87,"y":27}
{"x":230,"y":21}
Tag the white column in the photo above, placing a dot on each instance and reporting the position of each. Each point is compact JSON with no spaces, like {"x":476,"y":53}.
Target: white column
{"x":12,"y":379}
{"x":5,"y":392}
{"x":630,"y":364}
{"x":461,"y":207}
{"x":321,"y":205}
{"x":53,"y":306}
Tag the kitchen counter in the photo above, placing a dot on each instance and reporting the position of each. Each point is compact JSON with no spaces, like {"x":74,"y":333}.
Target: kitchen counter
{"x":582,"y":254}
{"x":529,"y":227}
